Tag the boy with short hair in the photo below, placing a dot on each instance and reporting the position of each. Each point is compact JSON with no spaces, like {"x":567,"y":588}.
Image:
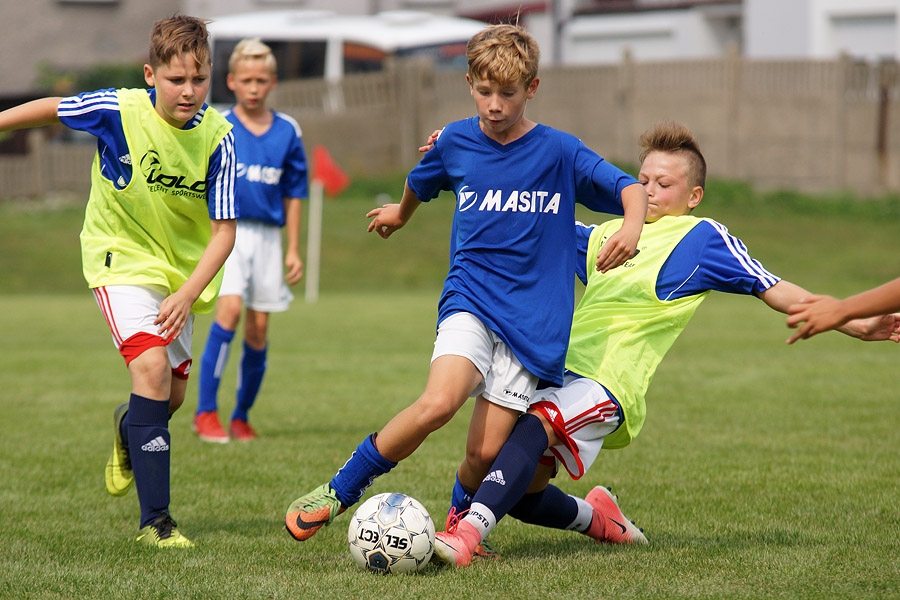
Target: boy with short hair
{"x":623,"y":326}
{"x":158,"y":227}
{"x":271,"y":181}
{"x":506,"y":308}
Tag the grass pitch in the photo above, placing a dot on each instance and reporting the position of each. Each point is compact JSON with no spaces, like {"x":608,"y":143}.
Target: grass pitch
{"x":763,"y":470}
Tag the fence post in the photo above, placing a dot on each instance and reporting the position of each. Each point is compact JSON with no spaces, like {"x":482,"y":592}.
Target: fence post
{"x":414,"y":93}
{"x":734,"y":65}
{"x":624,"y":137}
{"x":887,"y":78}
{"x":37,"y":163}
{"x":841,"y":152}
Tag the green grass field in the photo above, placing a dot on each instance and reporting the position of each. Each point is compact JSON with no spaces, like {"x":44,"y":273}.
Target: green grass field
{"x":764,"y":471}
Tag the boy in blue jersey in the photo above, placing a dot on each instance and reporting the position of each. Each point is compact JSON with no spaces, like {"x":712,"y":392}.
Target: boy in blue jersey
{"x":623,"y":326}
{"x":271,"y":181}
{"x":158,"y":227}
{"x":506,"y":307}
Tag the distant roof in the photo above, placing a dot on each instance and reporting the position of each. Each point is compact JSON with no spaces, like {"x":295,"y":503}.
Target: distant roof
{"x":388,"y":31}
{"x":600,"y":7}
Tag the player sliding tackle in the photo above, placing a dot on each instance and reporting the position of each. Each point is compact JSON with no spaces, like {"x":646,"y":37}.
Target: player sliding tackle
{"x":626,"y":321}
{"x":506,"y":307}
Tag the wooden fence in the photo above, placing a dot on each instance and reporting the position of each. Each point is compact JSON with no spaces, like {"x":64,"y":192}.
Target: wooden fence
{"x":814,"y":126}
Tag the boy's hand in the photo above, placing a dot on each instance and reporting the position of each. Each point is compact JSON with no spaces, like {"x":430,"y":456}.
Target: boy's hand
{"x":294,"y":266}
{"x":429,"y":143}
{"x":385,"y":220}
{"x":813,"y":315}
{"x":876,"y":329}
{"x":173,"y":315}
{"x":817,"y":314}
{"x":620,"y":246}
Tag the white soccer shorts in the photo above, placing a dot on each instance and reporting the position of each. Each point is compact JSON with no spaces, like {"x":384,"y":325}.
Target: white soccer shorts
{"x":255,"y":268}
{"x":130,"y":311}
{"x":582,"y":413}
{"x":505,"y":381}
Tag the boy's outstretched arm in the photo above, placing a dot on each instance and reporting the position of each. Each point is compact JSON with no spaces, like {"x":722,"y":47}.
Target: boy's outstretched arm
{"x":389,"y":218}
{"x":812,"y":315}
{"x":622,"y":244}
{"x":36,"y":113}
{"x":785,"y":294}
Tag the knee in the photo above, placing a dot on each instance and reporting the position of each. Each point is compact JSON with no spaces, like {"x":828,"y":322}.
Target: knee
{"x":435,"y":410}
{"x":152,"y":372}
{"x":480,"y":459}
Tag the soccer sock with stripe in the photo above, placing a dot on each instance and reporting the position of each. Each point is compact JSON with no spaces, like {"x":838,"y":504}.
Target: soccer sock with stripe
{"x":148,"y":448}
{"x":359,"y":472}
{"x":212,"y":364}
{"x":252,"y":370}
{"x":461,"y":497}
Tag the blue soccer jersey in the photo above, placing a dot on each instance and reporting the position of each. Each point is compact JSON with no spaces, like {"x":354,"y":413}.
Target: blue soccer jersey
{"x":707,"y":259}
{"x":512,"y":250}
{"x":97,"y":113}
{"x":271,"y":167}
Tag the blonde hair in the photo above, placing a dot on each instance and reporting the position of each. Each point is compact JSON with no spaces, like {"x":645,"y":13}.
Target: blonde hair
{"x":252,"y":49}
{"x":505,"y":54}
{"x":179,"y":35}
{"x":675,"y":138}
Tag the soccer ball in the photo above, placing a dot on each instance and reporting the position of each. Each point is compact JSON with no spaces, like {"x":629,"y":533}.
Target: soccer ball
{"x":391,"y":533}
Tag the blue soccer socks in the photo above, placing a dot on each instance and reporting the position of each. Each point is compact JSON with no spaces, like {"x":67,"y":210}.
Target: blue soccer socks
{"x":212,"y":364}
{"x":252,"y":370}
{"x":364,"y":465}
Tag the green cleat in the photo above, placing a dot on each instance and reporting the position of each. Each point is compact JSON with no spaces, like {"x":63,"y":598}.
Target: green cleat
{"x":163,"y":533}
{"x":311,"y":512}
{"x":119,"y":476}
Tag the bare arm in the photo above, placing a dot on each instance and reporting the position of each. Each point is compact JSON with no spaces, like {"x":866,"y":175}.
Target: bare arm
{"x":174,"y":310}
{"x":784,"y":294}
{"x":622,"y":244}
{"x":36,"y":113}
{"x":389,"y":218}
{"x":812,"y":315}
{"x":292,"y":261}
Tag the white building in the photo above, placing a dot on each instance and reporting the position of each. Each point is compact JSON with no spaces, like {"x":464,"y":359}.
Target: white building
{"x":75,"y":34}
{"x":601,"y":31}
{"x":868,"y":29}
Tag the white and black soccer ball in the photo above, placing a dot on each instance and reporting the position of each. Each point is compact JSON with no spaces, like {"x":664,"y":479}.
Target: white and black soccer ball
{"x":391,"y":533}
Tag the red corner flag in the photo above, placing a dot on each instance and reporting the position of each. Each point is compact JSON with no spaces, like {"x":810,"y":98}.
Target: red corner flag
{"x":326,"y":171}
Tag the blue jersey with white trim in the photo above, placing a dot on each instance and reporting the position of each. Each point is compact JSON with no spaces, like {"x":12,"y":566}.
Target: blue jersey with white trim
{"x":270,"y":168}
{"x":512,"y":254}
{"x":708,"y":258}
{"x":97,"y":113}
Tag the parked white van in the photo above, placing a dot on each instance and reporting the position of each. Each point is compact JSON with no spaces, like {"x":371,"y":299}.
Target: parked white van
{"x":323,"y":44}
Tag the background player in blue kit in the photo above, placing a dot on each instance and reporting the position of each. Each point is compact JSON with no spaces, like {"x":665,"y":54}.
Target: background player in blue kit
{"x":271,"y":181}
{"x":505,"y":311}
{"x":623,"y":326}
{"x":158,"y":227}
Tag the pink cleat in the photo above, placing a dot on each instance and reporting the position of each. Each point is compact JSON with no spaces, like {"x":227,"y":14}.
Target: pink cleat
{"x":456,"y":546}
{"x":609,"y":524}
